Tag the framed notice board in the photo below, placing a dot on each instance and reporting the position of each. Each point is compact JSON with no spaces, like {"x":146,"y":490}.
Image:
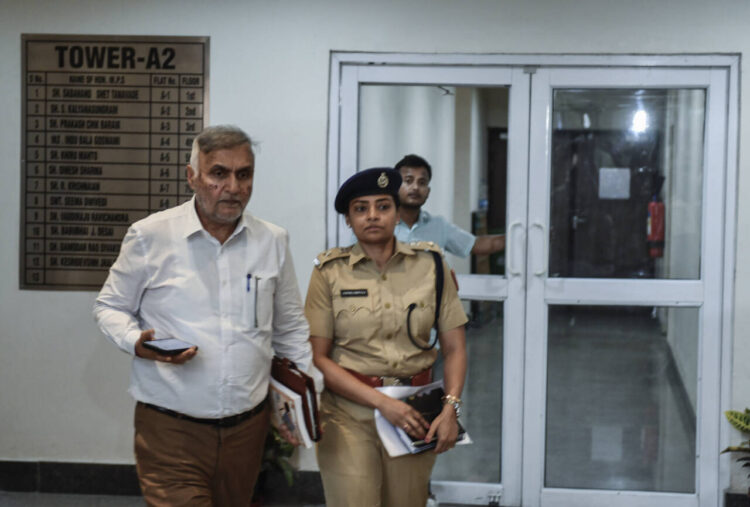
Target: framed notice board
{"x":107,"y":127}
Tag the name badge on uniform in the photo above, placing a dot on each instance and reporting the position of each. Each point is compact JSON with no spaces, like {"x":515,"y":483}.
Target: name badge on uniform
{"x":354,"y":293}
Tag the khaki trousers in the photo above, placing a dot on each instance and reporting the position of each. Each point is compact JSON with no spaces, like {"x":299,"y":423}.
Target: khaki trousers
{"x":356,"y":469}
{"x":186,"y":463}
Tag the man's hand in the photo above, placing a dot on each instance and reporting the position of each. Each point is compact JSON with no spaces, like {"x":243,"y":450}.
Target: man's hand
{"x":147,"y":353}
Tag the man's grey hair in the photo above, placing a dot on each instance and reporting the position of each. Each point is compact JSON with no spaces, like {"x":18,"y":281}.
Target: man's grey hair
{"x":217,"y":137}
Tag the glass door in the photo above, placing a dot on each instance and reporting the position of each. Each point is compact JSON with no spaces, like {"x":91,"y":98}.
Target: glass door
{"x":598,"y":337}
{"x":471,"y":125}
{"x":624,"y":287}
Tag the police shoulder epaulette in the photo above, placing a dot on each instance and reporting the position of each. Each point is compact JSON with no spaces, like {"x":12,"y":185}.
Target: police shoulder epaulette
{"x":331,"y":254}
{"x":425,"y":246}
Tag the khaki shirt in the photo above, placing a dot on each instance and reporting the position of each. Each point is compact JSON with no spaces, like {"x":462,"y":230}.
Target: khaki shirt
{"x":364,"y":310}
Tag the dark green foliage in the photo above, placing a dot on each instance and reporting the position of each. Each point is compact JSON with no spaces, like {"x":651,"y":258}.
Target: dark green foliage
{"x":740,"y":421}
{"x":276,"y":455}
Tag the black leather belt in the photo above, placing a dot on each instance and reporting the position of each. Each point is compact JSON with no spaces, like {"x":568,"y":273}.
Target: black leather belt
{"x":224,"y":422}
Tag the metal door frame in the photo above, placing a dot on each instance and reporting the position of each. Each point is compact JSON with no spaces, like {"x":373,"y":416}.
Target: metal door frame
{"x":349,"y":69}
{"x":703,"y":293}
{"x":475,"y":287}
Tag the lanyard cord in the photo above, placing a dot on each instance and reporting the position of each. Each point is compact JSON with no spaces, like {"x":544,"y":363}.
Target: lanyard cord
{"x":439,"y":280}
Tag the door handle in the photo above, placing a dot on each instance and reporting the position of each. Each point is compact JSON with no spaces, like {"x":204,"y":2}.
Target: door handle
{"x":545,"y":254}
{"x":509,"y":249}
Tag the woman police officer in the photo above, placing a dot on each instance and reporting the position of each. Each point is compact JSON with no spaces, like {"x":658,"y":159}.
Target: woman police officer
{"x":370,"y":308}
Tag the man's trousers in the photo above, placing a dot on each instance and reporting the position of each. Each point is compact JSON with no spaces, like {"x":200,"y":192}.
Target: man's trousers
{"x":181,"y":462}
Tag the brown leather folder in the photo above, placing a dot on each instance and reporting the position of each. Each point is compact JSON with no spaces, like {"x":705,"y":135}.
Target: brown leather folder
{"x":286,"y":372}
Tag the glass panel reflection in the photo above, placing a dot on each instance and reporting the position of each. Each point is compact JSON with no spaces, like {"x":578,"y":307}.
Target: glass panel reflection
{"x":462,"y":132}
{"x":627,"y":179}
{"x":621,"y":398}
{"x":482,"y":413}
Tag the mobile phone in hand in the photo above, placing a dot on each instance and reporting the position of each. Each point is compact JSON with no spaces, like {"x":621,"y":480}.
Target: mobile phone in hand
{"x":168,"y":346}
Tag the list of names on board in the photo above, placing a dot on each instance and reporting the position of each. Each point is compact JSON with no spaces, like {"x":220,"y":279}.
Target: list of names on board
{"x":108,"y":127}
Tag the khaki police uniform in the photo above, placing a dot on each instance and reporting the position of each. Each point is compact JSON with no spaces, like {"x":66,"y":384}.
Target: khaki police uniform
{"x":364,"y":310}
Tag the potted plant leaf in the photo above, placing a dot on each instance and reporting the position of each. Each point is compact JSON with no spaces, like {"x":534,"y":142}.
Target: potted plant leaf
{"x":276,"y":454}
{"x":741,"y":421}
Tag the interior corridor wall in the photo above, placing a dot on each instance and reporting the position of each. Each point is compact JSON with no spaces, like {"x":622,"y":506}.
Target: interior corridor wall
{"x":444,"y":125}
{"x":398,"y":120}
{"x":62,"y":386}
{"x":469,"y":165}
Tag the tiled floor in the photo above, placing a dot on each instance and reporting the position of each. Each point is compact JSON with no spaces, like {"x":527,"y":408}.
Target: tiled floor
{"x":618,"y":414}
{"x":480,"y":461}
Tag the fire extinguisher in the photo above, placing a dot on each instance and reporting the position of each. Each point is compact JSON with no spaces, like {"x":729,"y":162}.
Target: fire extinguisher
{"x":655,"y":228}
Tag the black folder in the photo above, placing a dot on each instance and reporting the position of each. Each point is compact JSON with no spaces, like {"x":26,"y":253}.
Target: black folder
{"x":429,"y":404}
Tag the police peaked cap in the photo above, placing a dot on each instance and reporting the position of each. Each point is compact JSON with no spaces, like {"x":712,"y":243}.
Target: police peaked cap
{"x":375,"y":181}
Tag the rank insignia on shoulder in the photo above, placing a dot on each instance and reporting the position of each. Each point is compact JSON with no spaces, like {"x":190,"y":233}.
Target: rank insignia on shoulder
{"x":426,"y":246}
{"x":331,"y":254}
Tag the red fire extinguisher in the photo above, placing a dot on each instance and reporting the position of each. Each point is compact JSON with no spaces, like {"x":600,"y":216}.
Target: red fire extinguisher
{"x":655,"y":228}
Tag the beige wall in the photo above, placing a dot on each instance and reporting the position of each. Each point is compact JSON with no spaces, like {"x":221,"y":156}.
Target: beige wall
{"x":62,"y":387}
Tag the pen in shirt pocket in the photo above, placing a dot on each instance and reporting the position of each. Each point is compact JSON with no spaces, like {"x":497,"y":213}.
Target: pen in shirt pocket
{"x":255,"y":302}
{"x":247,"y":286}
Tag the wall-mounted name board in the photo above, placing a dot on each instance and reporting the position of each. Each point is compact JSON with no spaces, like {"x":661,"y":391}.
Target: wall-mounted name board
{"x":108,"y":123}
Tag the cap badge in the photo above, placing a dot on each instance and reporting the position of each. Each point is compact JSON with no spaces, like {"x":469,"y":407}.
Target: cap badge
{"x":382,"y":180}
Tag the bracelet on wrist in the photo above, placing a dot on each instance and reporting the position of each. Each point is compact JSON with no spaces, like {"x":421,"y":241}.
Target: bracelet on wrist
{"x":453,"y":401}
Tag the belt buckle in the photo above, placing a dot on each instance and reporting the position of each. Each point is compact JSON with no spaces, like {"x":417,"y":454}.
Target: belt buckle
{"x":392,"y":381}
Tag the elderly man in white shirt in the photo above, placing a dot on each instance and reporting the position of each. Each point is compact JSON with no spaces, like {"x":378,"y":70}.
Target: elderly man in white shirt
{"x":210,"y":274}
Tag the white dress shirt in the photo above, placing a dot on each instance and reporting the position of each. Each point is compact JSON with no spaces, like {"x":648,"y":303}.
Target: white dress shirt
{"x":238,"y":302}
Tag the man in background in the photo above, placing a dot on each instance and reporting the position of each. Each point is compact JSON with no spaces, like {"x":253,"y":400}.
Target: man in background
{"x":210,"y":274}
{"x":417,"y":224}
